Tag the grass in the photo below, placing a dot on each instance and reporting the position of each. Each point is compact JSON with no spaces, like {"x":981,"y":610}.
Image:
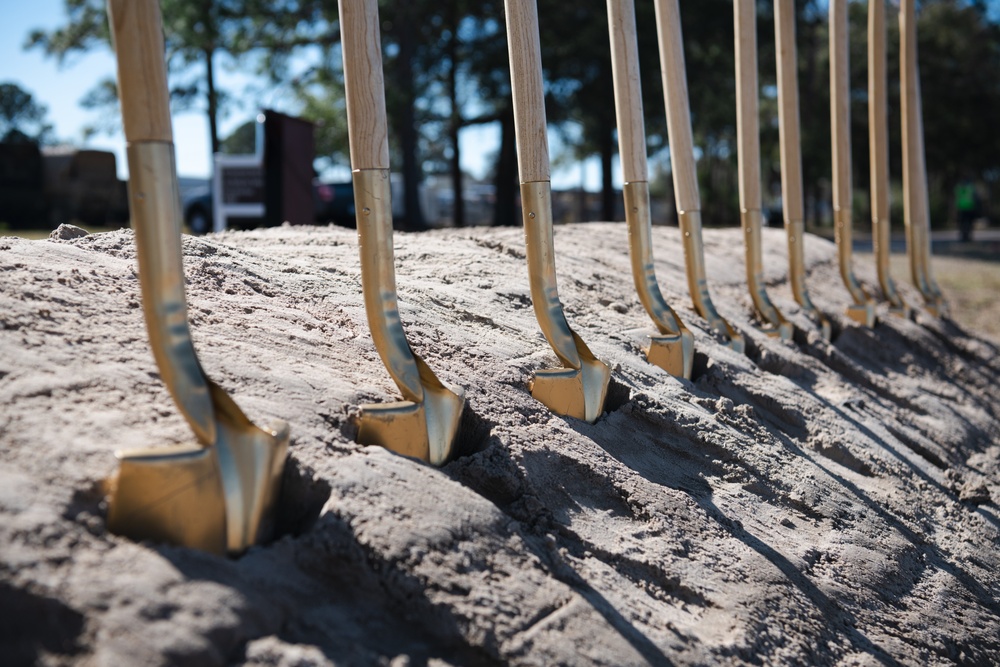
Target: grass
{"x":971,"y":286}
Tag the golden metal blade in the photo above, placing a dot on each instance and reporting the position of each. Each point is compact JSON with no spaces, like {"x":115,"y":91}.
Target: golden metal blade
{"x":217,"y":495}
{"x":425,"y":424}
{"x":694,"y":262}
{"x":878,"y":141}
{"x":773,"y":323}
{"x":675,"y":93}
{"x":862,"y":310}
{"x":673,"y":349}
{"x":916,"y":208}
{"x":793,"y":208}
{"x":581,"y":386}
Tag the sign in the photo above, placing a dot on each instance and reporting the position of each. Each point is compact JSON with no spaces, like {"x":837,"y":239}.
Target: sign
{"x":237,"y":189}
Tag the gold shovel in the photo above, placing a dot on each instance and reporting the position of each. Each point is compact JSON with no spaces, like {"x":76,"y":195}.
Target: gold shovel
{"x":217,"y":495}
{"x":773,"y":323}
{"x":580,"y":387}
{"x":675,"y":93}
{"x":862,"y":310}
{"x":878,"y":141}
{"x":425,"y":423}
{"x":673,"y":349}
{"x":791,"y":160}
{"x":916,"y":209}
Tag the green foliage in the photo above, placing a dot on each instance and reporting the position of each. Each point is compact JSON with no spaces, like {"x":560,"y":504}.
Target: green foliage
{"x":21,"y":117}
{"x":242,"y":140}
{"x":446,"y":68}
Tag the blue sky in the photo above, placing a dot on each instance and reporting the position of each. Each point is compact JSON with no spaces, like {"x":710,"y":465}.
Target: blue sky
{"x":61,"y":87}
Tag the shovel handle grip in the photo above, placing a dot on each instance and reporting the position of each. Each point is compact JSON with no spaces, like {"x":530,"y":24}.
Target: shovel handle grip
{"x":747,"y":104}
{"x":527,"y":89}
{"x":364,"y":84}
{"x":675,"y":93}
{"x":628,"y":90}
{"x":137,"y":34}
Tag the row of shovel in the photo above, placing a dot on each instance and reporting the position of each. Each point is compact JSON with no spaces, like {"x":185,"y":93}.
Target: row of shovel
{"x":218,"y":494}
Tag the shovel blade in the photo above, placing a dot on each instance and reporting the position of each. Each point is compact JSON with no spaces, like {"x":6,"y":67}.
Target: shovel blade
{"x":862,"y":313}
{"x":251,"y":463}
{"x":784,"y":330}
{"x":572,"y":392}
{"x":674,"y":354}
{"x":424,"y":430}
{"x":171,"y":494}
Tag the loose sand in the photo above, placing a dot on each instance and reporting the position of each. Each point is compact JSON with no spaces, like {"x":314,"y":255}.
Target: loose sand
{"x":807,"y":503}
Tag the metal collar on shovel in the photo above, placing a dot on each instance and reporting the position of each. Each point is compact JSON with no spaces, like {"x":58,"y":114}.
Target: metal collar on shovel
{"x":217,"y":495}
{"x":791,"y":160}
{"x":580,"y":387}
{"x":878,"y":138}
{"x":862,"y":310}
{"x":673,"y":349}
{"x":425,"y":423}
{"x":916,"y":209}
{"x":748,"y":140}
{"x":675,"y":93}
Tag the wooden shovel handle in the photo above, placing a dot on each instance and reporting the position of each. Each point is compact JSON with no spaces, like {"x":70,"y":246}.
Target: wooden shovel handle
{"x":878,"y":115}
{"x":914,"y":161}
{"x":675,"y":92}
{"x":526,"y":84}
{"x":840,"y":105}
{"x":137,"y":33}
{"x":628,"y":90}
{"x":364,"y":84}
{"x":788,"y":111}
{"x":747,"y":104}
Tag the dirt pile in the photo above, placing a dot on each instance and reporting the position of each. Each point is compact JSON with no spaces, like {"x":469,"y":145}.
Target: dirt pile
{"x":805,"y":503}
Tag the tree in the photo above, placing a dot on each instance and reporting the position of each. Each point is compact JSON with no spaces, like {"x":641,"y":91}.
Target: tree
{"x":242,"y":140}
{"x":194,"y":32}
{"x":21,"y":117}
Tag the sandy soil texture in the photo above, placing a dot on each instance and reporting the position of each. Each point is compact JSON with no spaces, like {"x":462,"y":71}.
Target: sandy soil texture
{"x":807,"y":503}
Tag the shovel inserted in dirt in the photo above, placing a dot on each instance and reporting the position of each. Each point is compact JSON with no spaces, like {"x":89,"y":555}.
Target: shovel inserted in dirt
{"x":862,"y":310}
{"x":673,"y":349}
{"x":580,"y":387}
{"x":217,"y":495}
{"x":791,"y":160}
{"x":916,"y":208}
{"x":425,"y":423}
{"x":773,"y":323}
{"x":675,"y":93}
{"x":878,"y":141}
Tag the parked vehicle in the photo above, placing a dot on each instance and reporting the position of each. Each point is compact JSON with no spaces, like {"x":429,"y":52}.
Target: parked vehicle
{"x":333,"y":203}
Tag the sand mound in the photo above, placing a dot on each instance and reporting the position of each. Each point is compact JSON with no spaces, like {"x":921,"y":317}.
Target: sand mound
{"x":805,"y":503}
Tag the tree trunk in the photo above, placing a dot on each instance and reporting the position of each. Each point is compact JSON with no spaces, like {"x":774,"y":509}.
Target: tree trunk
{"x":413,"y":216}
{"x":505,"y":212}
{"x":607,"y":184}
{"x":458,"y":206}
{"x":213,"y":103}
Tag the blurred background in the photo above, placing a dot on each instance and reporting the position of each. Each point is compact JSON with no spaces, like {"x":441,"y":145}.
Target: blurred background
{"x":451,"y":120}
